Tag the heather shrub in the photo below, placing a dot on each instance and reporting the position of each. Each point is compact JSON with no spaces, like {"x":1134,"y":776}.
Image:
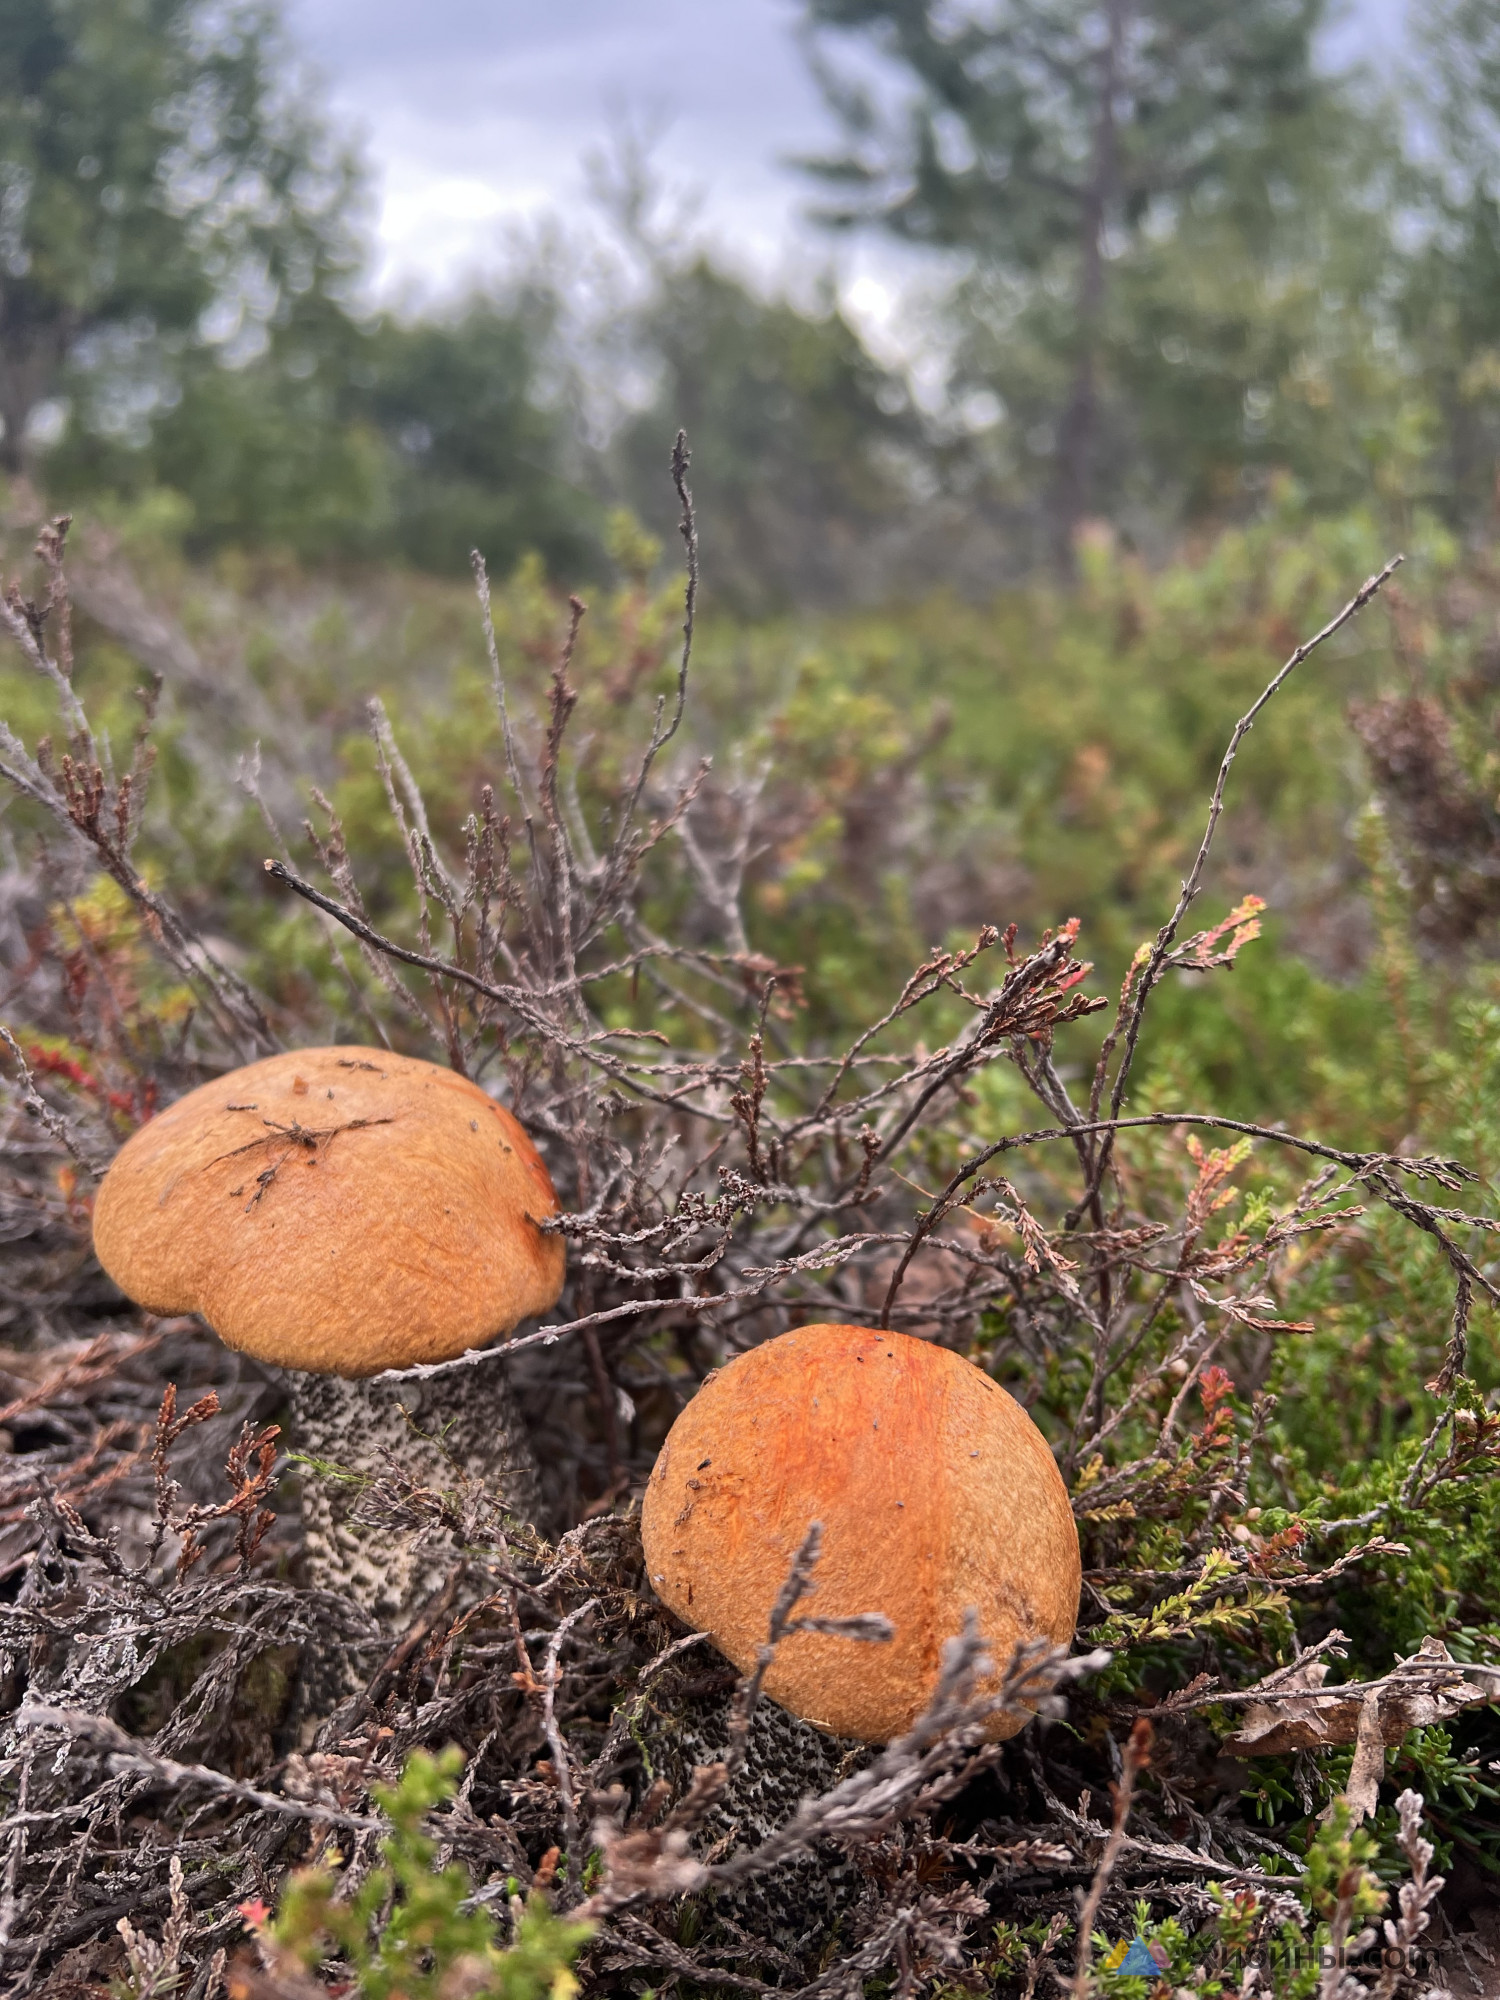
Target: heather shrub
{"x":800,"y":1016}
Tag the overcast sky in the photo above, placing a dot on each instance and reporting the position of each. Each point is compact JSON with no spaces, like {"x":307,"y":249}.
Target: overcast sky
{"x":477,"y":113}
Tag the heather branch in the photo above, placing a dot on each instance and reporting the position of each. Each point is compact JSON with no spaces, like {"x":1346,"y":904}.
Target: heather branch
{"x":1133,"y":1003}
{"x":868,"y":1626}
{"x":52,"y":1121}
{"x":487,"y":616}
{"x":1414,"y":1899}
{"x":556,"y":1742}
{"x":516,"y":998}
{"x":693,"y":1304}
{"x":625,"y":848}
{"x":1136,"y":1758}
{"x":127,"y":1754}
{"x":944,"y":1747}
{"x":79,"y":803}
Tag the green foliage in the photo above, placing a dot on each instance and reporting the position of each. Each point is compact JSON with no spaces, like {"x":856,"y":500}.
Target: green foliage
{"x":405,"y":1933}
{"x":1087,"y":729}
{"x":1208,"y":1961}
{"x":1199,"y":1612}
{"x":474,"y":453}
{"x":266,"y":453}
{"x":801,"y":440}
{"x":1292,"y":1463}
{"x":1105,"y":178}
{"x":167,"y":191}
{"x":1339,"y":1869}
{"x":1167,"y":1942}
{"x":928,"y":769}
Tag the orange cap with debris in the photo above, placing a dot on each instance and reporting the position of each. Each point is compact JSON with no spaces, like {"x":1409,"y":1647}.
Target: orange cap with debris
{"x":935,"y":1490}
{"x":338,"y":1210}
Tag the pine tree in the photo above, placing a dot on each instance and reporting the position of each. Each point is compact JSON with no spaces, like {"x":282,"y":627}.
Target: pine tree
{"x":1452,"y":300}
{"x":1055,"y":141}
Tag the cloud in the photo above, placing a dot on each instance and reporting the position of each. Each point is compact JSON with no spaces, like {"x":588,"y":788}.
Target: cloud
{"x":476,"y":113}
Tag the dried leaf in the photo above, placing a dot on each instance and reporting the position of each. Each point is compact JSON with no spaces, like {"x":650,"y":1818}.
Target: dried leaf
{"x":1427,"y":1688}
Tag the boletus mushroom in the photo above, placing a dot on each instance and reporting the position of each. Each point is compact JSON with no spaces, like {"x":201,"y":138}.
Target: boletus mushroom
{"x":337,"y":1212}
{"x":936,"y":1492}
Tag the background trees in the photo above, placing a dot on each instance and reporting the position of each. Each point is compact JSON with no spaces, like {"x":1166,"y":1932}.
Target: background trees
{"x":477,"y":452}
{"x":1451,"y":295}
{"x":807,"y":446}
{"x":167,"y":191}
{"x":1062,"y":145}
{"x":1184,"y":265}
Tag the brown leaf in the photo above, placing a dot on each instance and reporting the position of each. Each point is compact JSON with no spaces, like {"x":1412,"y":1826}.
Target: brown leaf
{"x":1368,"y":1767}
{"x":1427,"y":1688}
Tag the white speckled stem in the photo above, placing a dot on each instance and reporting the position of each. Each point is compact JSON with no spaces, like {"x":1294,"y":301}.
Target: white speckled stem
{"x":468,"y":1420}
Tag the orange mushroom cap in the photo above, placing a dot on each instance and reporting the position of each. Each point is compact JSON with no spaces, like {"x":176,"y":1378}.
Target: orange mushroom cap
{"x":936,"y":1492}
{"x":338,"y":1210}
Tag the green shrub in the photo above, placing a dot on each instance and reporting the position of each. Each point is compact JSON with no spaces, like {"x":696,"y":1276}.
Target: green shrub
{"x":411,"y":1929}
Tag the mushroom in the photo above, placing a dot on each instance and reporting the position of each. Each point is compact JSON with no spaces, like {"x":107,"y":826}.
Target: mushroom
{"x":936,"y":1493}
{"x":337,"y":1212}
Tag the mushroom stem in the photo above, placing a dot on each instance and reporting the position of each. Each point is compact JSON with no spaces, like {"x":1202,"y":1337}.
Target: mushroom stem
{"x":432,"y":1431}
{"x":785,"y":1762}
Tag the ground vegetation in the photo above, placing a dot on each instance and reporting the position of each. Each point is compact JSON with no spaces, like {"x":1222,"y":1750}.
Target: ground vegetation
{"x":1222,"y":1230}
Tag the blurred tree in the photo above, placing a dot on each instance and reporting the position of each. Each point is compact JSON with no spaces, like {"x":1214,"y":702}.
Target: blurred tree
{"x":1451,"y":304}
{"x":179,"y":243}
{"x":1257,"y":335}
{"x":803,"y":445}
{"x":165,"y":187}
{"x":478,"y":444}
{"x":1067,"y":145}
{"x":267,"y":452}
{"x":414,"y":438}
